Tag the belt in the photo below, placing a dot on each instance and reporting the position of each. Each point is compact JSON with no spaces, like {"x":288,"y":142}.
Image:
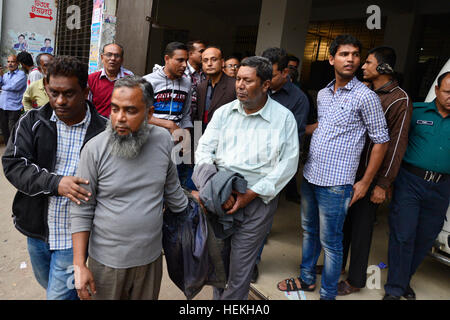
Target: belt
{"x":428,"y":175}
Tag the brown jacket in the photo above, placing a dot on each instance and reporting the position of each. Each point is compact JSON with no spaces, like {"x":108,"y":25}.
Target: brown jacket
{"x":397,"y":107}
{"x":224,"y":92}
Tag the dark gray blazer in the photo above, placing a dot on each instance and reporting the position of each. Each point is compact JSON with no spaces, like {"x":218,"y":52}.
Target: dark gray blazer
{"x":224,"y":92}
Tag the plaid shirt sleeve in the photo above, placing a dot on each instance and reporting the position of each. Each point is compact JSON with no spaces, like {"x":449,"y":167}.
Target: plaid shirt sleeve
{"x":374,"y":119}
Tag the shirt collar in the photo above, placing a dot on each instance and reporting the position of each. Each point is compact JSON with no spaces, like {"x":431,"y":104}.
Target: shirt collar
{"x":285,"y":88}
{"x":348,"y":86}
{"x":86,"y":120}
{"x":388,"y":88}
{"x":264,"y":112}
{"x":13,"y":72}
{"x":191,"y":68}
{"x":119,"y":75}
{"x":41,"y":84}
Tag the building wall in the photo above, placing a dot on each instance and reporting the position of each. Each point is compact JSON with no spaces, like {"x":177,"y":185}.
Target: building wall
{"x":19,"y":18}
{"x":216,"y":24}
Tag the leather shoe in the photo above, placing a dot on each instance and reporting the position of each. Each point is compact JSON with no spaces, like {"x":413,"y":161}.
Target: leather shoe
{"x":255,"y":274}
{"x":409,"y":293}
{"x":390,"y":297}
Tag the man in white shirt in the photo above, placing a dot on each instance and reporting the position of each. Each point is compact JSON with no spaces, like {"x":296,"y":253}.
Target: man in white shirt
{"x":256,"y":137}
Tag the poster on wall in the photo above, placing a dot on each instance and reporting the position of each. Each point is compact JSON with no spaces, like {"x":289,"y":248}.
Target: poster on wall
{"x":94,"y":52}
{"x":96,"y":31}
{"x":31,"y":42}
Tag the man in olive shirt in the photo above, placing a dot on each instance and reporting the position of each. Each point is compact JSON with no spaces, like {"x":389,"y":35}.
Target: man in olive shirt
{"x":421,"y":191}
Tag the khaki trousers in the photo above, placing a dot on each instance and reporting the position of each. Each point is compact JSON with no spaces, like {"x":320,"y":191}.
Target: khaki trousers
{"x":137,"y":283}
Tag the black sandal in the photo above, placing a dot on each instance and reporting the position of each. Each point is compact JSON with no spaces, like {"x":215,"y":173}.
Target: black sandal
{"x":292,"y":286}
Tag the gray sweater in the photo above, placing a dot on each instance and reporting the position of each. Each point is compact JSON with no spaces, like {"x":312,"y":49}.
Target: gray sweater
{"x":124,"y":214}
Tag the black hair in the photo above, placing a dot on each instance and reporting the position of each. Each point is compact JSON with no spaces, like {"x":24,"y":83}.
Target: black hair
{"x":25,"y":58}
{"x":262,"y":65}
{"x":48,"y":39}
{"x":343,"y":39}
{"x":38,"y":58}
{"x":232,"y":57}
{"x":172,"y":46}
{"x":137,"y":82}
{"x":293,"y":58}
{"x":190,"y":44}
{"x":278,"y":56}
{"x":68,"y":66}
{"x":441,"y":78}
{"x":21,"y":35}
{"x":384,"y":54}
{"x":108,"y":44}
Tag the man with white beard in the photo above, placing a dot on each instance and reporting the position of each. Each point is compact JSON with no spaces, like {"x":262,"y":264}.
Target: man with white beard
{"x":131,"y":175}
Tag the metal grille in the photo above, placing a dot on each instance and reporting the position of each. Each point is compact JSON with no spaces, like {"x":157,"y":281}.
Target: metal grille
{"x":321,"y":34}
{"x":74,"y":42}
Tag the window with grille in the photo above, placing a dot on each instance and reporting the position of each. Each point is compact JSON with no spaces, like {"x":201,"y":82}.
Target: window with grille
{"x":74,"y":42}
{"x":318,"y":41}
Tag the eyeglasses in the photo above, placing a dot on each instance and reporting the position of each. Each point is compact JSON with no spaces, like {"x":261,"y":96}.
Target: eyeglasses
{"x":232,"y":66}
{"x":109,"y":55}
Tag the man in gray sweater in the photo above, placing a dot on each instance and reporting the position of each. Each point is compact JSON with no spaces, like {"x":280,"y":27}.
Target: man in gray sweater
{"x":131,"y":176}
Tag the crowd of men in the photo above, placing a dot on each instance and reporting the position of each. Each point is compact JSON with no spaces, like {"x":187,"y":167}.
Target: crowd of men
{"x":92,"y":158}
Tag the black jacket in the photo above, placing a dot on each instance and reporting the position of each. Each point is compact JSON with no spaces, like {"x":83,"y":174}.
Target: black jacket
{"x":29,"y":163}
{"x":192,"y":252}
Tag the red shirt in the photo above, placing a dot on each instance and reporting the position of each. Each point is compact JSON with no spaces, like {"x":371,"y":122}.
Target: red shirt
{"x":101,"y":90}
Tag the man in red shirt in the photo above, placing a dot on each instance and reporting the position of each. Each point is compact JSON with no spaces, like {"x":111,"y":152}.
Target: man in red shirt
{"x":101,"y":83}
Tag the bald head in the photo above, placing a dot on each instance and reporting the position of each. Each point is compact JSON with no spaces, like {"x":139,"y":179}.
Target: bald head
{"x":212,"y":61}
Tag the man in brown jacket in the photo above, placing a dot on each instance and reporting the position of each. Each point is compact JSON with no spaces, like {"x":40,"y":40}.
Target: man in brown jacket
{"x":358,"y":226}
{"x":218,"y":89}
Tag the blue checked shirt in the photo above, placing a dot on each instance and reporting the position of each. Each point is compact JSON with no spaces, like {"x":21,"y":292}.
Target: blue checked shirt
{"x":344,"y":119}
{"x":70,"y":140}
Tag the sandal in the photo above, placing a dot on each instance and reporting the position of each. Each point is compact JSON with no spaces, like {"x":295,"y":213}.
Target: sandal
{"x":345,"y":288}
{"x":292,"y":286}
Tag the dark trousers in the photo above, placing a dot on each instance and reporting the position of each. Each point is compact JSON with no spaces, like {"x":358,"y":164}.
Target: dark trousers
{"x":358,"y":229}
{"x":291,"y":188}
{"x":241,"y":248}
{"x":416,"y":217}
{"x":7,"y":121}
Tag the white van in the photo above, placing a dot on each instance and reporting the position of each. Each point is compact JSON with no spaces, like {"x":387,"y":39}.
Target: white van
{"x":441,"y":248}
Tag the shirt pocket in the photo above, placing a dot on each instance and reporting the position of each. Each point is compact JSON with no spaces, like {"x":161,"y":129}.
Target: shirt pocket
{"x":342,"y":115}
{"x":425,"y":128}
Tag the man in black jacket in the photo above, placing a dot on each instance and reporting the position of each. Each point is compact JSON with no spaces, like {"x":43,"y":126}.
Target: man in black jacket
{"x":40,"y":160}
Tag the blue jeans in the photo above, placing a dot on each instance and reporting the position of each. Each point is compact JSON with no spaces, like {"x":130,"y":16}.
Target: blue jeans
{"x":323,"y":215}
{"x":416,"y":217}
{"x":53,"y":270}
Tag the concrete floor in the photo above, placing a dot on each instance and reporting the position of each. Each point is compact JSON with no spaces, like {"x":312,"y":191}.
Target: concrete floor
{"x":281,"y":258}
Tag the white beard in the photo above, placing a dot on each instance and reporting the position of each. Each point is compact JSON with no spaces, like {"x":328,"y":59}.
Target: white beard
{"x":129,"y":146}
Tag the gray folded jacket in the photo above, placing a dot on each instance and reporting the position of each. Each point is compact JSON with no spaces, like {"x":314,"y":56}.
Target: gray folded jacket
{"x":215,"y":188}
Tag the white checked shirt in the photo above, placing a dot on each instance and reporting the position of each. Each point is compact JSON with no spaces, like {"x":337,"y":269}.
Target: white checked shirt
{"x":69,"y":142}
{"x":344,"y":119}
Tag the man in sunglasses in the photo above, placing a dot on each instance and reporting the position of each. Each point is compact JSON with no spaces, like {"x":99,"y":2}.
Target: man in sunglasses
{"x":101,"y":83}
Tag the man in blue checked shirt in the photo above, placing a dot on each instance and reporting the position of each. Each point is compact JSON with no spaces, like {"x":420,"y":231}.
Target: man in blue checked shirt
{"x":40,"y":160}
{"x":347,"y":111}
{"x":13,"y":84}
